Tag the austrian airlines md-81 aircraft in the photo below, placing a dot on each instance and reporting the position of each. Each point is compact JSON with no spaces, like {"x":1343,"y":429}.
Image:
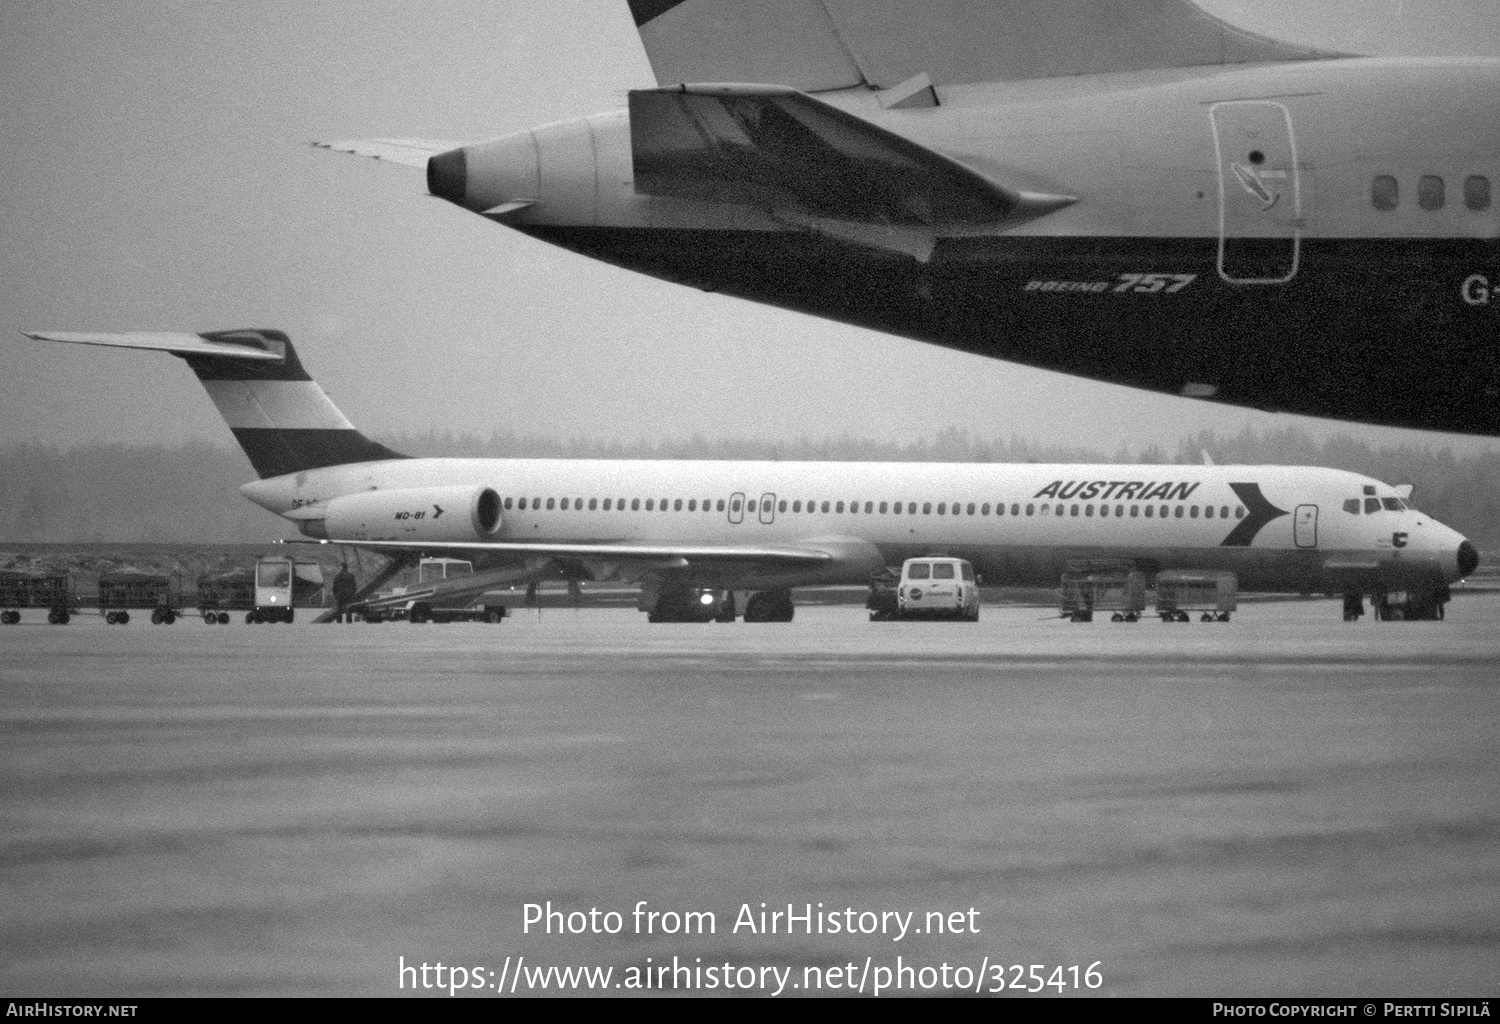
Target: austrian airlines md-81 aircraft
{"x":1128,"y":190}
{"x":683,"y":528}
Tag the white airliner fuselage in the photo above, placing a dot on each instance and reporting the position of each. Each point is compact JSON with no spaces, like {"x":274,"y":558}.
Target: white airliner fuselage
{"x":683,"y":527}
{"x":1286,"y":528}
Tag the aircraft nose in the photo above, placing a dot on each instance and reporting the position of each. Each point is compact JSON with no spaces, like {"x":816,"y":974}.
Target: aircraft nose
{"x":448,"y":175}
{"x":1468,"y":559}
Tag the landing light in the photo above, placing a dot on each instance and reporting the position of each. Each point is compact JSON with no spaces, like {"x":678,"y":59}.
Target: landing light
{"x":706,"y":599}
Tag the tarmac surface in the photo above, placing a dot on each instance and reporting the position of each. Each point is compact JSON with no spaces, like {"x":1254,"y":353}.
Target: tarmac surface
{"x":1281,"y":805}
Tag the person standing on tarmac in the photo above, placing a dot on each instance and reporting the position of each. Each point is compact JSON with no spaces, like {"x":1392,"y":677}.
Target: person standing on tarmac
{"x":343,"y":593}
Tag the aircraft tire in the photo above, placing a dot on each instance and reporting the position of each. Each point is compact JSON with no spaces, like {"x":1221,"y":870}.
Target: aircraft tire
{"x":223,"y":618}
{"x":494,"y":618}
{"x":123,"y":618}
{"x":156,"y":617}
{"x":168,"y":617}
{"x":770,"y":606}
{"x":756,"y":609}
{"x":290,"y":614}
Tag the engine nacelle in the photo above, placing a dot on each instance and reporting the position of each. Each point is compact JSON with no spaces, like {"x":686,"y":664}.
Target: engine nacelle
{"x":415,"y":514}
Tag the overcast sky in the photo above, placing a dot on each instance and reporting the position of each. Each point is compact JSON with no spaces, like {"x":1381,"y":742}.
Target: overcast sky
{"x":156,"y":177}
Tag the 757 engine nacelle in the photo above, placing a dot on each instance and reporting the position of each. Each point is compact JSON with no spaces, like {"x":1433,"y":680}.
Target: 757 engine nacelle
{"x":416,"y":514}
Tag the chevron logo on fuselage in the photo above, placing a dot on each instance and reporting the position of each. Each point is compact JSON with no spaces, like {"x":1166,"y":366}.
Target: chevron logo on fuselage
{"x":1260,"y":510}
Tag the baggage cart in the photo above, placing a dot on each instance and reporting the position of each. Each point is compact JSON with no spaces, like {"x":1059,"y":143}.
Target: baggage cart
{"x":225,"y":592}
{"x":882,"y":602}
{"x":284,"y":584}
{"x":129,"y":589}
{"x":1114,"y":587}
{"x":1211,"y":594}
{"x":51,"y":591}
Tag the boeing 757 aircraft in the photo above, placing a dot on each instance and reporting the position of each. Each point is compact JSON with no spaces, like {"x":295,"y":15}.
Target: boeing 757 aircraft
{"x":685,"y":529}
{"x":1127,"y":190}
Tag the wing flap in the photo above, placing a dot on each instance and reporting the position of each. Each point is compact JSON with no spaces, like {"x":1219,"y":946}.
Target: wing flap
{"x":780,"y":148}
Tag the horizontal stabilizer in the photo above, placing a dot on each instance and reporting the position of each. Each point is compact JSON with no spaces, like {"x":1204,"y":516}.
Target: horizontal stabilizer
{"x":406,"y":152}
{"x":247,"y":346}
{"x":283,"y":420}
{"x":778,"y":148}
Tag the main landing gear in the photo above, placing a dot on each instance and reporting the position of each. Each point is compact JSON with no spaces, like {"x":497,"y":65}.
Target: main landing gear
{"x":693,"y":606}
{"x":770,"y":606}
{"x":1401,"y":606}
{"x":719,"y":606}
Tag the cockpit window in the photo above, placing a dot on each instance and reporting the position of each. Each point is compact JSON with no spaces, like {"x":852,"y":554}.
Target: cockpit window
{"x":1391,"y":504}
{"x":1352,"y":506}
{"x":1372,"y":505}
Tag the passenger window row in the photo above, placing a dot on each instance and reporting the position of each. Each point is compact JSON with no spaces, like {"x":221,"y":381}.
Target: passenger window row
{"x":614,"y":504}
{"x":942,"y":508}
{"x":1432,"y":192}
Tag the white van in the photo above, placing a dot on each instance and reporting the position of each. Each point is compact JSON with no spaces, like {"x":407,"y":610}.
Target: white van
{"x":938,"y":587}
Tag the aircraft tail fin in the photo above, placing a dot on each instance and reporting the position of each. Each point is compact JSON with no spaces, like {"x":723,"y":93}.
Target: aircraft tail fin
{"x":282,"y":419}
{"x":819,"y":45}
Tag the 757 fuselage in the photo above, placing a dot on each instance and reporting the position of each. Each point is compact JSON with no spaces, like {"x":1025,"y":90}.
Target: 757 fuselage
{"x":1314,"y":237}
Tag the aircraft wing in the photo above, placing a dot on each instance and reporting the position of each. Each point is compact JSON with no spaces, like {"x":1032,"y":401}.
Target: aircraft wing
{"x":406,"y":152}
{"x":656,"y":555}
{"x":253,"y":346}
{"x":818,"y":45}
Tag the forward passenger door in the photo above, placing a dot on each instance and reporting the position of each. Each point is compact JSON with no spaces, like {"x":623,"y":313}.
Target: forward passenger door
{"x":1305,"y":527}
